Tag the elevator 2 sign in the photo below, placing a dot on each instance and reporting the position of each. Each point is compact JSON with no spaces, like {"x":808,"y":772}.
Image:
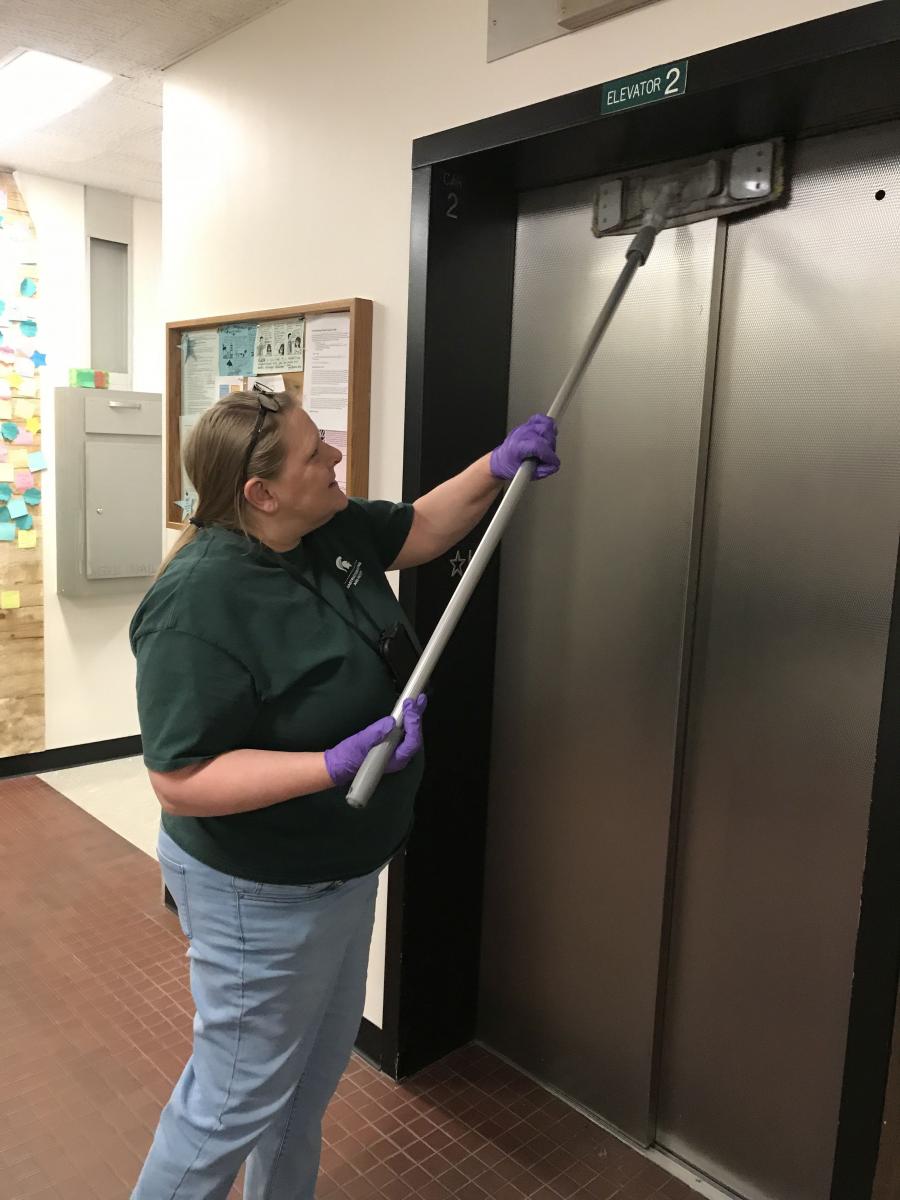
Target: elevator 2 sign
{"x":647,"y":87}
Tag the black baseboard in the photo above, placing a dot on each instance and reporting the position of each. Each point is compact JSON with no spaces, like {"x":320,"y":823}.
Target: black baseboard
{"x":69,"y":756}
{"x":368,"y":1043}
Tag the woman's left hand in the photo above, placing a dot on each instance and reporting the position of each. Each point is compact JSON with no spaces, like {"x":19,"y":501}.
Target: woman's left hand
{"x":535,"y":439}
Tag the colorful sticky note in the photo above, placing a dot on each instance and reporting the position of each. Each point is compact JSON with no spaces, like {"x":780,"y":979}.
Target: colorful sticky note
{"x":5,"y":493}
{"x":14,"y":379}
{"x":4,"y":513}
{"x":25,"y":482}
{"x":32,"y":494}
{"x":18,"y":456}
{"x":17,"y":507}
{"x":10,"y":431}
{"x":6,"y":473}
{"x":25,"y":438}
{"x":39,"y":360}
{"x":28,"y":287}
{"x":4,"y":453}
{"x":37,"y":462}
{"x":10,"y":599}
{"x":25,"y":522}
{"x":29,"y":328}
{"x":5,"y":410}
{"x":25,"y":367}
{"x":5,"y":390}
{"x":7,"y":532}
{"x":33,"y":424}
{"x":27,"y":539}
{"x":24,"y":408}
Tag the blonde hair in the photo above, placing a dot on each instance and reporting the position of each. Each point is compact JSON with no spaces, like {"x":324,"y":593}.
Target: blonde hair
{"x":214,"y":461}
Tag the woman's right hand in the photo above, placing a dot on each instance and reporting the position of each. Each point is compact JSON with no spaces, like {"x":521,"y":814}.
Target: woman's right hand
{"x":344,"y":760}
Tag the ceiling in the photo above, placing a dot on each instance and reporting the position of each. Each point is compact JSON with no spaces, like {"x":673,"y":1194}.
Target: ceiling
{"x":112,"y":141}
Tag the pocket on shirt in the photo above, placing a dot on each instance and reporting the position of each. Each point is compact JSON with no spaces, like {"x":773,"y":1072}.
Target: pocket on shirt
{"x":175,"y":878}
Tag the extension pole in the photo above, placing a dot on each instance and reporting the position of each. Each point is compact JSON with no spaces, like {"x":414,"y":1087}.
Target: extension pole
{"x":638,"y":252}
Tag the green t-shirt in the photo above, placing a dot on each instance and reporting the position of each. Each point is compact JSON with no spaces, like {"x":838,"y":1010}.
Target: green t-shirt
{"x":234,"y":652}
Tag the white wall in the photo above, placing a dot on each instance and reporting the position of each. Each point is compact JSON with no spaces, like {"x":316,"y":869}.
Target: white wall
{"x":88,"y":666}
{"x":286,"y":156}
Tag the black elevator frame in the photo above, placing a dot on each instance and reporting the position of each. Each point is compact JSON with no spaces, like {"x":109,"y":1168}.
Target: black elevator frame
{"x":838,"y":72}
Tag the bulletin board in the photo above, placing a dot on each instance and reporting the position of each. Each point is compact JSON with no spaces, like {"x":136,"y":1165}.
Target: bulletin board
{"x":319,"y":353}
{"x":22,"y":467}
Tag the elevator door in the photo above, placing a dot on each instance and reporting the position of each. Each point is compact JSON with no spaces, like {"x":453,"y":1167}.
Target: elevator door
{"x":796,"y":559}
{"x":797,"y":565}
{"x":594,"y":574}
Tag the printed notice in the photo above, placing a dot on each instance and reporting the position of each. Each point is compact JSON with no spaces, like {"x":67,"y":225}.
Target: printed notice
{"x":199,"y":370}
{"x":326,"y":377}
{"x":279,"y":347}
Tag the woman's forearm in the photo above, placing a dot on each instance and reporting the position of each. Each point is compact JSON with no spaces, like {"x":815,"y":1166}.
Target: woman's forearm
{"x":240,"y":781}
{"x":451,"y":510}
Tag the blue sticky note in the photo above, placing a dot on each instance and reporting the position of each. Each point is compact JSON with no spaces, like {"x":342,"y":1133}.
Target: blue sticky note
{"x":25,"y":522}
{"x":28,"y":287}
{"x":5,"y":492}
{"x":29,"y":328}
{"x":10,"y":431}
{"x":32,"y":495}
{"x":236,"y":349}
{"x":4,"y":513}
{"x":7,"y":532}
{"x":39,"y":360}
{"x":37,"y":462}
{"x":17,"y":507}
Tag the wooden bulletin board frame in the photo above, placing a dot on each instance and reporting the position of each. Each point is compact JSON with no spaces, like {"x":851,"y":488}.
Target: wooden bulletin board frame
{"x":359,"y":388}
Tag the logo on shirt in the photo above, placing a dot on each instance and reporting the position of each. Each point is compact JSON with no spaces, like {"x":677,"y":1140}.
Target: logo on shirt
{"x":352,"y":570}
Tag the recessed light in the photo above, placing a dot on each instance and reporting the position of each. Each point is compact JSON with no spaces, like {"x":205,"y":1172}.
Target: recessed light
{"x":36,"y":88}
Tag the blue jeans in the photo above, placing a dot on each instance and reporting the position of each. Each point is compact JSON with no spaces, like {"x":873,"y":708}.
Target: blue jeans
{"x":278,"y":976}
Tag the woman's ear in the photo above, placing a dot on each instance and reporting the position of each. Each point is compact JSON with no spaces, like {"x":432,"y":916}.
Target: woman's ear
{"x":259,"y":496}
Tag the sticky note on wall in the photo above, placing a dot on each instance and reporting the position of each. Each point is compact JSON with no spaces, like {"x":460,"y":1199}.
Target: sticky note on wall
{"x":16,"y":506}
{"x":24,"y":409}
{"x":36,"y":461}
{"x":6,"y":472}
{"x":25,"y":483}
{"x":10,"y":600}
{"x":18,"y":457}
{"x":7,"y":532}
{"x":5,"y":410}
{"x":27,"y":539}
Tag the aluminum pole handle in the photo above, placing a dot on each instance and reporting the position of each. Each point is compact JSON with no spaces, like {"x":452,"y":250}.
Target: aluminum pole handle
{"x":370,"y":773}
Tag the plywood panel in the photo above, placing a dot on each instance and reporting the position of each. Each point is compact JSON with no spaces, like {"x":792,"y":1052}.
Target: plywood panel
{"x":21,"y":570}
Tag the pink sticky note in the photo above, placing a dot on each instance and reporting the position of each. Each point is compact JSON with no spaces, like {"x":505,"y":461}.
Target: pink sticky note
{"x":4,"y":453}
{"x":24,"y":480}
{"x":25,"y":438}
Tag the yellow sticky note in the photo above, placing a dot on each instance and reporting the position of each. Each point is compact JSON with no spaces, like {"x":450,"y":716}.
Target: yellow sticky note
{"x":33,"y":424}
{"x":7,"y":472}
{"x":6,"y":410}
{"x":24,"y":408}
{"x":18,"y":457}
{"x":27,"y":539}
{"x":10,"y":600}
{"x":14,"y":379}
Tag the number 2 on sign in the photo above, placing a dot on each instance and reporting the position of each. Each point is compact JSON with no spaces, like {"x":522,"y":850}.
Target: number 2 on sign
{"x":673,"y":75}
{"x":452,"y":205}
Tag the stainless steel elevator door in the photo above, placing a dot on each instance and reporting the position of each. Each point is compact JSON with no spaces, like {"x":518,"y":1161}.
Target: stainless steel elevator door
{"x":593,"y":584}
{"x":797,"y":563}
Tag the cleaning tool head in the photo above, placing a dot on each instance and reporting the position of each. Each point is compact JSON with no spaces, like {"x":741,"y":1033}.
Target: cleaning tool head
{"x":696,"y":189}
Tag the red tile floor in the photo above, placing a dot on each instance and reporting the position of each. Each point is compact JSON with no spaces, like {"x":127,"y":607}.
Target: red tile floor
{"x":95,"y":1023}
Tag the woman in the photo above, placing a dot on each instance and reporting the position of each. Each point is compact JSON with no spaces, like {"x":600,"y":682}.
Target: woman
{"x":263,"y":677}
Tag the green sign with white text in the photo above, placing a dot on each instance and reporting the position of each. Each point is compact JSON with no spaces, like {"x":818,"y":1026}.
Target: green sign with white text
{"x":647,"y":87}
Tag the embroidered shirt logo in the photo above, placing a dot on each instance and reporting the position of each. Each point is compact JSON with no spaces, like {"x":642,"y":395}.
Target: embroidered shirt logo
{"x":353,"y":571}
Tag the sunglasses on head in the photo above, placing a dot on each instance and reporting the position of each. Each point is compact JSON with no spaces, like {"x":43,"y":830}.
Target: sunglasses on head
{"x":268,"y":403}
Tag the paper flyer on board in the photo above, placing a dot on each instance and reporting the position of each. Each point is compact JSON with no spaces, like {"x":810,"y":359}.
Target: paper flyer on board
{"x":199,"y":370}
{"x":326,"y":378}
{"x":279,"y":346}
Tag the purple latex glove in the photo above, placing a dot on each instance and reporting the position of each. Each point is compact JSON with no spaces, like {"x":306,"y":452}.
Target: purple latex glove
{"x":344,"y":760}
{"x":535,"y":439}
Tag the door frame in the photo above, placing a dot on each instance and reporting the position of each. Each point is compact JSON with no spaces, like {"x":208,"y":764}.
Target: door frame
{"x":838,"y":72}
